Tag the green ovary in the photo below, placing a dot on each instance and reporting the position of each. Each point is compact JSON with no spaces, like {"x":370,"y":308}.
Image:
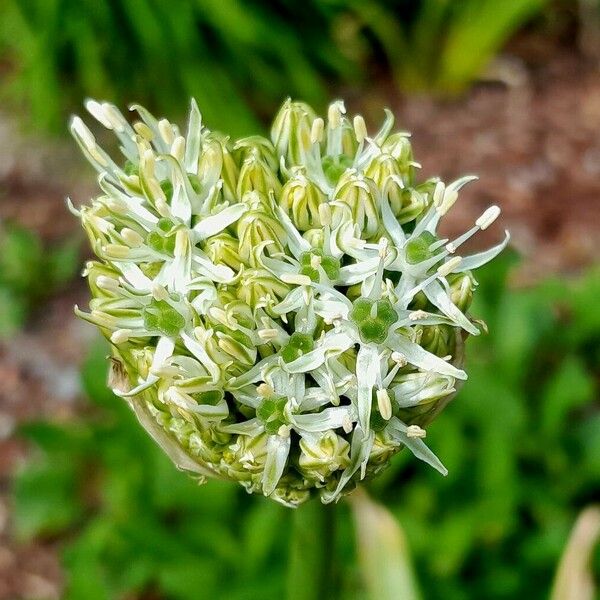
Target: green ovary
{"x":298,"y":345}
{"x":373,"y":326}
{"x":417,"y":249}
{"x":270,"y":413}
{"x":330,"y":265}
{"x":161,"y":316}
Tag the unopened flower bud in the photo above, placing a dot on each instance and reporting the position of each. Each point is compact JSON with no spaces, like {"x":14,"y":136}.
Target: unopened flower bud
{"x":301,"y":199}
{"x":291,"y":131}
{"x":360,"y":195}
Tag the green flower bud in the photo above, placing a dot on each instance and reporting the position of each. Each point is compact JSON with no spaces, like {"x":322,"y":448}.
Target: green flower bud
{"x":398,"y":146}
{"x":462,"y":286}
{"x":256,"y":227}
{"x":256,"y":176}
{"x":320,"y":457}
{"x":217,"y":156}
{"x":414,"y":204}
{"x":437,"y":339}
{"x":299,"y":344}
{"x":373,"y":319}
{"x":382,"y":170}
{"x":291,"y":131}
{"x":224,"y":249}
{"x":256,"y":145}
{"x":301,"y":198}
{"x":335,"y":166}
{"x":361,"y":196}
{"x":258,"y":288}
{"x":244,"y":460}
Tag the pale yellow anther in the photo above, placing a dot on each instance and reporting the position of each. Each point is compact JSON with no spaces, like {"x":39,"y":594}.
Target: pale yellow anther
{"x":149,"y":161}
{"x":334,"y":114}
{"x":316,"y":131}
{"x":449,"y":266}
{"x":450,"y":197}
{"x":360,"y":128}
{"x":114,"y":116}
{"x":143,"y":131}
{"x":265,"y":390}
{"x":120,"y":336}
{"x":414,"y":431}
{"x":131,"y":237}
{"x":107,"y":283}
{"x":162,"y":207}
{"x":218,"y":314}
{"x":132,"y":180}
{"x":488,"y":217}
{"x":86,"y":136}
{"x":325,"y":214}
{"x":178,"y":148}
{"x":115,"y":205}
{"x":399,"y":359}
{"x":296,"y":279}
{"x":117,"y":250}
{"x":267,"y":335}
{"x":384,"y":404}
{"x":159,"y":292}
{"x":347,"y":423}
{"x":438,"y":193}
{"x":166,"y":131}
{"x":315,"y":261}
{"x":284,"y":431}
{"x":417,"y":315}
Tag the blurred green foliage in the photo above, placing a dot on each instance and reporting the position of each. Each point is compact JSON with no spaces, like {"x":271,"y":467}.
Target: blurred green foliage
{"x":441,"y":46}
{"x":521,"y":441}
{"x":239,"y":59}
{"x":30,"y":272}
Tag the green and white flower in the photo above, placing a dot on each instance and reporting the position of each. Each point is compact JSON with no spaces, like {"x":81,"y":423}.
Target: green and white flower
{"x":282,"y":313}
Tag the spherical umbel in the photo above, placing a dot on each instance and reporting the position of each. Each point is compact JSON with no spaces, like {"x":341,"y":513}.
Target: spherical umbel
{"x":282,"y":313}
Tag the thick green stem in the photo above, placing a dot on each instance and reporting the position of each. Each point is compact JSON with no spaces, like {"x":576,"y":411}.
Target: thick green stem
{"x":311,"y":573}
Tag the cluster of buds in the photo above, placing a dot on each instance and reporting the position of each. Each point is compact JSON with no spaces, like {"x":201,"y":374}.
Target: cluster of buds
{"x":282,"y":312}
